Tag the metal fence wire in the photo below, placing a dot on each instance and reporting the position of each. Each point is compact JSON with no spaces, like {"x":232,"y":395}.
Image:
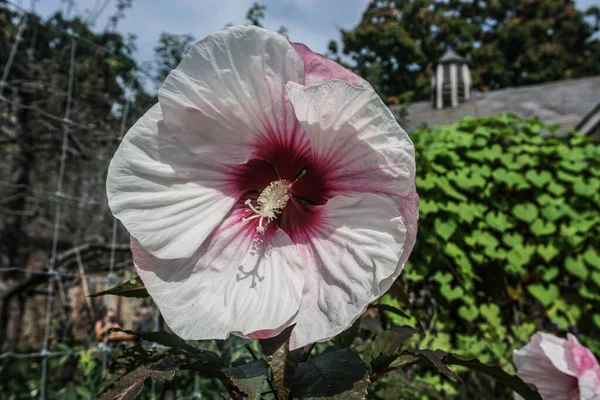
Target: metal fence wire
{"x":58,"y":198}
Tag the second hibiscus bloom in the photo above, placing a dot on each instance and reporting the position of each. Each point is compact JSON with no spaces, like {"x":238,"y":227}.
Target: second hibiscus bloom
{"x":269,"y":187}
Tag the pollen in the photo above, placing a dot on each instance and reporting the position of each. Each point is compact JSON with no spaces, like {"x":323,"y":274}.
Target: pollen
{"x":269,"y":204}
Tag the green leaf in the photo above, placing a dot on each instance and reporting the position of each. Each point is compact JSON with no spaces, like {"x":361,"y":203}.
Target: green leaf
{"x":451,"y":293}
{"x":510,"y":178}
{"x":131,"y":288}
{"x":541,"y":228}
{"x":249,"y":378}
{"x":547,"y":252}
{"x":428,"y":207}
{"x":596,"y":320}
{"x":491,"y":312}
{"x":512,"y":239}
{"x":596,"y":278}
{"x":84,"y":392}
{"x":512,"y":381}
{"x":498,"y":221}
{"x":338,"y":374}
{"x":538,"y":179}
{"x":444,"y":229}
{"x":130,"y":385}
{"x":552,"y":212}
{"x":443,"y":277}
{"x":586,"y":189}
{"x":525,"y":212}
{"x":447,"y":188}
{"x":277,"y":352}
{"x":520,"y":255}
{"x":545,"y":295}
{"x":556,"y":189}
{"x":550,"y":274}
{"x":592,"y":258}
{"x":576,"y":267}
{"x":468,"y":313}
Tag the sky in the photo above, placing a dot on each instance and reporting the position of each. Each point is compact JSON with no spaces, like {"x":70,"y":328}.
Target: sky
{"x":313,"y":22}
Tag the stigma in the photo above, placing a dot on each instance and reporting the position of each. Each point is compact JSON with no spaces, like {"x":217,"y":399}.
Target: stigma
{"x":269,"y":204}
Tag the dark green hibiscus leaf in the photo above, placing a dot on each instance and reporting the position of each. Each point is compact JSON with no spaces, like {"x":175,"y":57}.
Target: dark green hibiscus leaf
{"x":334,"y":374}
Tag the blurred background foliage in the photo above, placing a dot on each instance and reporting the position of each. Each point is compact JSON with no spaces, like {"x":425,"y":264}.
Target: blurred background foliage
{"x":508,"y":239}
{"x":509,"y":231}
{"x":510,"y":43}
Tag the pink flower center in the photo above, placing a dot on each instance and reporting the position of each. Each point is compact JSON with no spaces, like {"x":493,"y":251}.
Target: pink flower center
{"x":282,"y":183}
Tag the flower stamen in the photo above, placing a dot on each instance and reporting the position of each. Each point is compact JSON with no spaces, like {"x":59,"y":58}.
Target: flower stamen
{"x":269,"y":204}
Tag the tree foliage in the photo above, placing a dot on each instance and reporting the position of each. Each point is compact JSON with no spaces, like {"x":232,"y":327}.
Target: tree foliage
{"x":509,"y":43}
{"x":168,"y":53}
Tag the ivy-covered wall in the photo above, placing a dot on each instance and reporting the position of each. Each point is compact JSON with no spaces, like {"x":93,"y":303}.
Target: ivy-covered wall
{"x":509,"y":238}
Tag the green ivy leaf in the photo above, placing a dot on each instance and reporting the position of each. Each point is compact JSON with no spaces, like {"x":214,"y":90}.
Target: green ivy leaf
{"x":592,"y":258}
{"x":573,"y":166}
{"x":576,"y":267}
{"x":520,"y":255}
{"x":498,"y":221}
{"x":545,"y":295}
{"x":596,"y":278}
{"x":550,"y":274}
{"x":525,"y":212}
{"x":586,"y":189}
{"x":556,"y":188}
{"x":428,"y":207}
{"x":552,"y":212}
{"x":468,"y":313}
{"x":541,"y":228}
{"x":538,"y":179}
{"x":547,"y":252}
{"x":443,"y":277}
{"x":491,"y":312}
{"x":447,"y":188}
{"x":444,"y":229}
{"x":451,"y":293}
{"x":596,"y":319}
{"x":512,"y":239}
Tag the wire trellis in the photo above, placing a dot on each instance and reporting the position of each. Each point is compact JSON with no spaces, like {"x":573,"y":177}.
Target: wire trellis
{"x":58,"y":198}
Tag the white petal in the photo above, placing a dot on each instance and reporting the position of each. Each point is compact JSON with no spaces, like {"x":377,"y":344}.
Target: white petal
{"x":239,"y":281}
{"x":167,"y":197}
{"x":533,"y":366}
{"x":356,"y":243}
{"x":228,"y":93}
{"x":355,"y":137}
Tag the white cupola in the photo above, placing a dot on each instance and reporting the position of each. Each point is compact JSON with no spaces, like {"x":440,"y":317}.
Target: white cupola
{"x":451,"y":81}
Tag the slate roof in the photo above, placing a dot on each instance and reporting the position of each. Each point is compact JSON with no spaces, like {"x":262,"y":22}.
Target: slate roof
{"x":565,"y":103}
{"x":450,"y":56}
